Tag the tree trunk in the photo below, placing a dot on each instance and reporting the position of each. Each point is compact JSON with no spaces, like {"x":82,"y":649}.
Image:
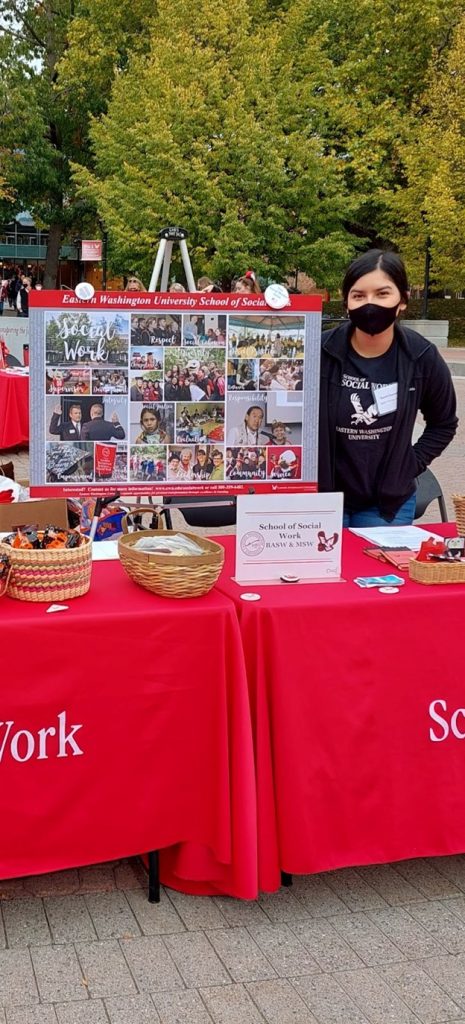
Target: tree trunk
{"x":55,"y":235}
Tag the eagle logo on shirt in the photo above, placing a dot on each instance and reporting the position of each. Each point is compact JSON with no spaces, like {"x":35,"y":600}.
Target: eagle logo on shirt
{"x":360,"y":415}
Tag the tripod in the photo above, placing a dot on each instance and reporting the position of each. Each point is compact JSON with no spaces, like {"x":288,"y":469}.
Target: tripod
{"x":168,"y":236}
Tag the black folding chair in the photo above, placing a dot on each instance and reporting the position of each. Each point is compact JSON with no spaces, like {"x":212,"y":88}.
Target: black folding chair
{"x":428,"y":490}
{"x":206,"y":511}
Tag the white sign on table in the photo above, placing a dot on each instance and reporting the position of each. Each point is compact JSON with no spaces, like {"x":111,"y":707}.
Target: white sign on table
{"x":298,"y":536}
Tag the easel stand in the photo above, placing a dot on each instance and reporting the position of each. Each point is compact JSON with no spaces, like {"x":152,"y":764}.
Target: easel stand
{"x":168,"y":236}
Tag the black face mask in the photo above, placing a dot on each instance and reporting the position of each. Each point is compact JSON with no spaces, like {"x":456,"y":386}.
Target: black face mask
{"x":372,"y":318}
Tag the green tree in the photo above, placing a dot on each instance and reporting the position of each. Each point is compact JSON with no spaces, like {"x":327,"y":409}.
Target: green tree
{"x":37,"y":133}
{"x":281,"y":135}
{"x":363,"y":101}
{"x":432,"y":203}
{"x":46,"y":104}
{"x":195,"y":134}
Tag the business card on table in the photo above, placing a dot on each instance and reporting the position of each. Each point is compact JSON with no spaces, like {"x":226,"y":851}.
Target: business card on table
{"x":391,"y":580}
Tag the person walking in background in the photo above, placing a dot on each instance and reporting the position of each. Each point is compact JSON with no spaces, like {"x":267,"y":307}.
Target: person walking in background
{"x":3,"y":294}
{"x":22,"y":298}
{"x":13,"y":289}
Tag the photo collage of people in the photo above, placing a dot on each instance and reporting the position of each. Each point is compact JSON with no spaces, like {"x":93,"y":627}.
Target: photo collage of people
{"x":179,"y":398}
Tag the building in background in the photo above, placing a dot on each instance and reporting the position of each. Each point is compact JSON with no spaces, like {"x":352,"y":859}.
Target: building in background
{"x":24,"y":245}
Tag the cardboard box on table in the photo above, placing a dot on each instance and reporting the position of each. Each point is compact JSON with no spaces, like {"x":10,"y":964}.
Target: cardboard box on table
{"x":53,"y":511}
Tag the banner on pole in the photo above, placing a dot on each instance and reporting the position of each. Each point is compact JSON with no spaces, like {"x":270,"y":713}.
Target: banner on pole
{"x":91,"y":249}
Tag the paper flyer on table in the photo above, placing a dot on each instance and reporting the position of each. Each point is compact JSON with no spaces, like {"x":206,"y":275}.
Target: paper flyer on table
{"x":293,"y":535}
{"x":395,"y":536}
{"x":107,"y":551}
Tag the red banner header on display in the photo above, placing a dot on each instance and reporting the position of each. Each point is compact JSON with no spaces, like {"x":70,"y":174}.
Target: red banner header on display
{"x":213,"y":303}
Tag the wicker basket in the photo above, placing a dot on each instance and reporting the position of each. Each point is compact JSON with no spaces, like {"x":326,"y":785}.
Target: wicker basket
{"x":459,"y":506}
{"x":172,"y":575}
{"x":54,"y":575}
{"x":436,"y":572}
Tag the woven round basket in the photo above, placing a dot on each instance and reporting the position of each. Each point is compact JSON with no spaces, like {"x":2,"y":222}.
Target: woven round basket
{"x":436,"y":572}
{"x":54,"y":575}
{"x":459,"y":506}
{"x":172,"y":575}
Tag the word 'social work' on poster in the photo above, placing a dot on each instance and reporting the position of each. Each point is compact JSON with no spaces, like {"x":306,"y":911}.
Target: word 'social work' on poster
{"x":175,"y":394}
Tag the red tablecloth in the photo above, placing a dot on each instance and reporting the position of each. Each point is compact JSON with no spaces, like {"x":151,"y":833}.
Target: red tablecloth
{"x":341,"y":681}
{"x":162,"y":753}
{"x":14,"y":409}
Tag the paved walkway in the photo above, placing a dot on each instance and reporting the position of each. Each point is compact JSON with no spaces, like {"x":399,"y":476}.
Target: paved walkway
{"x":375,"y":945}
{"x":455,"y":357}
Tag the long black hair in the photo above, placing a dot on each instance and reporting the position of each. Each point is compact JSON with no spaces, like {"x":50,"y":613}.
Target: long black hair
{"x":377,"y":259}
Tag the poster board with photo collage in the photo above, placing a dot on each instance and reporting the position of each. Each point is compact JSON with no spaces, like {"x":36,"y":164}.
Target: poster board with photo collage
{"x":174,"y":394}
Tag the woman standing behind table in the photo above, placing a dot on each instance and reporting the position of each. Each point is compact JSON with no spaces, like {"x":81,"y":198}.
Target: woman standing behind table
{"x":375,"y":376}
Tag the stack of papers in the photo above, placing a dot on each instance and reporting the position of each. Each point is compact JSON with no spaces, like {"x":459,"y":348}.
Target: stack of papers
{"x":411,"y":537}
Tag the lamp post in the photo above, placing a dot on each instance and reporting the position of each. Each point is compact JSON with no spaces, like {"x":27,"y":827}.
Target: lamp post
{"x":104,"y":260}
{"x":104,"y":254}
{"x":77,"y":242}
{"x":424,"y":311}
{"x":424,"y":307}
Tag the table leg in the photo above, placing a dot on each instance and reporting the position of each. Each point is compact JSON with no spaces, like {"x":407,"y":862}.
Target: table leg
{"x":154,"y":877}
{"x":286,"y":879}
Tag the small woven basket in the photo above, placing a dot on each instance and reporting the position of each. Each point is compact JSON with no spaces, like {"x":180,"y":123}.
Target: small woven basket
{"x":436,"y":572}
{"x":54,"y":575}
{"x":459,"y":506}
{"x":172,"y":575}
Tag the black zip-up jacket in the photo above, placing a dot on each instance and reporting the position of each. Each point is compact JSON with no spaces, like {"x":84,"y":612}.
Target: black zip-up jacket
{"x":424,"y":383}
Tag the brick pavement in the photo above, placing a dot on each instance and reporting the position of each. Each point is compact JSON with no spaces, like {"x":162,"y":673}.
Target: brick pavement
{"x":372,"y":945}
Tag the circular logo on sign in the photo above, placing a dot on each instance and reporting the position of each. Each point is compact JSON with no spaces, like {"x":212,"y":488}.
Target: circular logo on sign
{"x":84,"y":290}
{"x":252,"y":543}
{"x":276,"y":296}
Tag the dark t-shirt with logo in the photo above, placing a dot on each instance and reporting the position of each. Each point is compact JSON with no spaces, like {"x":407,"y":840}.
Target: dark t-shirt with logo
{"x":362,"y":426}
